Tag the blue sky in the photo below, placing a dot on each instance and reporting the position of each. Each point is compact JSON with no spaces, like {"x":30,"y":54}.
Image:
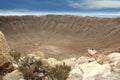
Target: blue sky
{"x":70,"y":7}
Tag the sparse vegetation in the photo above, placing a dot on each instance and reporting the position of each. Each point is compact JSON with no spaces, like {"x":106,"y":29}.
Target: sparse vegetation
{"x":59,"y":72}
{"x":34,"y":70}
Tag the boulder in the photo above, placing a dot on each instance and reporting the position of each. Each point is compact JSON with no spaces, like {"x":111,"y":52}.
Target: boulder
{"x":102,"y":59}
{"x":36,"y":56}
{"x":115,"y":66}
{"x":114,"y":56}
{"x":69,"y":62}
{"x":15,"y":75}
{"x":39,"y":54}
{"x":5,"y":58}
{"x":75,"y":72}
{"x":112,"y":76}
{"x":92,"y":51}
{"x":84,"y":59}
{"x":93,"y":70}
{"x":115,"y":69}
{"x":115,"y":61}
{"x":52,"y":62}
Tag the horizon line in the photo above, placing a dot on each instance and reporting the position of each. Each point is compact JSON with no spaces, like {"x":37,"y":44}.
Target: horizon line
{"x":38,"y":13}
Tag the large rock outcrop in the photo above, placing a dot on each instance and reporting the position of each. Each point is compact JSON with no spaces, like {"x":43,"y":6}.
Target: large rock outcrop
{"x":5,"y":58}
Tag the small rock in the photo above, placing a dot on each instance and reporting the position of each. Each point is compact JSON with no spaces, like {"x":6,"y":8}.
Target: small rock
{"x":75,"y":72}
{"x":39,"y":54}
{"x":52,"y":62}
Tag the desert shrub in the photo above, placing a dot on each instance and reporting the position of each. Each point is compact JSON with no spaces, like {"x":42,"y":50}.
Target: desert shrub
{"x":32,"y":70}
{"x":59,"y":72}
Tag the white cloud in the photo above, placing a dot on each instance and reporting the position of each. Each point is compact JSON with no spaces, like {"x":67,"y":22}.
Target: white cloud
{"x":94,"y":4}
{"x":23,"y":12}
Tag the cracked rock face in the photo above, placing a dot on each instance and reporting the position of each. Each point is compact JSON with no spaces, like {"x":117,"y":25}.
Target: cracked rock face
{"x":5,"y":58}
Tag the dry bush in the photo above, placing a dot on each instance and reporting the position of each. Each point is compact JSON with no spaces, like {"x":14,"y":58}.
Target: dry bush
{"x":33,"y":70}
{"x":59,"y":72}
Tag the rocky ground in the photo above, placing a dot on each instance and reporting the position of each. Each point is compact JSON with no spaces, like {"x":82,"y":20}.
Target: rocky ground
{"x":59,"y":40}
{"x":82,"y":68}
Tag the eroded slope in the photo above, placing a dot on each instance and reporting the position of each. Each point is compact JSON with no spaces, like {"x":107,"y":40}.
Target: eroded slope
{"x":64,"y":36}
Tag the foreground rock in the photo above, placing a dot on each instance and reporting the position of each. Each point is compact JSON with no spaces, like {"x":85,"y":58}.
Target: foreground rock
{"x":93,"y":70}
{"x":5,"y":58}
{"x":15,"y":75}
{"x":102,"y":67}
{"x":115,"y":61}
{"x":86,"y":68}
{"x":82,"y":68}
{"x":112,"y":76}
